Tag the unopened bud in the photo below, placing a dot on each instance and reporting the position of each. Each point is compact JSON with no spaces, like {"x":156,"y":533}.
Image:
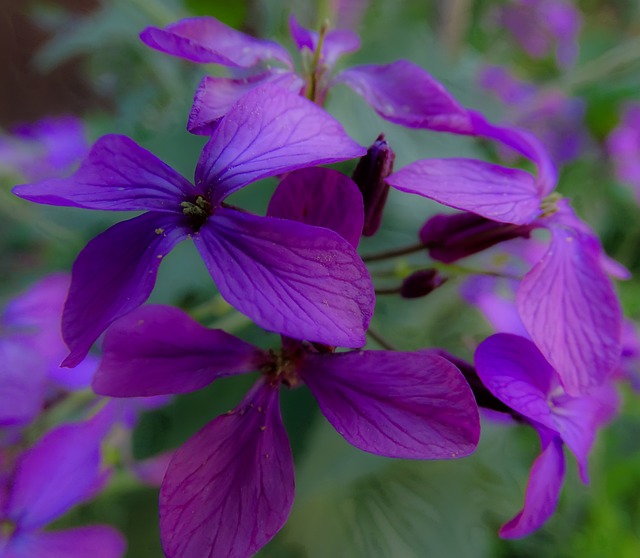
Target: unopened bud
{"x":421,"y":283}
{"x":370,"y":176}
{"x":452,"y":237}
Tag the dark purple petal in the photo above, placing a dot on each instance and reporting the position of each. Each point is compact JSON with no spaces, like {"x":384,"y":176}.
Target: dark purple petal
{"x":158,"y":350}
{"x":497,"y":193}
{"x":114,"y":274}
{"x":229,"y":489}
{"x":60,"y":471}
{"x":22,"y":381}
{"x":323,"y":198}
{"x":336,"y":43}
{"x":270,"y":131}
{"x":406,"y":405}
{"x":118,"y":175}
{"x":209,"y":41}
{"x":571,"y":311}
{"x":514,"y":370}
{"x":543,"y":489}
{"x":524,"y":143}
{"x":301,"y":281}
{"x":405,"y":94}
{"x":98,"y":541}
{"x":216,"y":95}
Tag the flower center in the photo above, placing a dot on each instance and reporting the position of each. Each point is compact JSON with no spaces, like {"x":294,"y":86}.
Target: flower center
{"x":197,"y":212}
{"x":549,"y":205}
{"x":281,"y":367}
{"x":7,"y":529}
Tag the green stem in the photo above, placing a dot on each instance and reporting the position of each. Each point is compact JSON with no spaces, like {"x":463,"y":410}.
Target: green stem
{"x":388,"y":254}
{"x":380,"y":340}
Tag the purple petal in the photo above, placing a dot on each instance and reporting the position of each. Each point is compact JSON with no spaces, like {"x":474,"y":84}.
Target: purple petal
{"x":543,"y":489}
{"x":301,"y":281}
{"x":22,"y":381}
{"x":209,"y":41}
{"x":98,"y":541}
{"x":118,"y":175}
{"x":158,"y":350}
{"x":216,"y":95}
{"x":323,"y":198}
{"x":336,"y":43}
{"x":571,"y":311}
{"x":497,"y":193}
{"x":524,"y":143}
{"x":270,"y":131}
{"x":114,"y":274}
{"x":405,"y":94}
{"x":229,"y":489}
{"x":516,"y":372}
{"x":60,"y":471}
{"x":406,"y":405}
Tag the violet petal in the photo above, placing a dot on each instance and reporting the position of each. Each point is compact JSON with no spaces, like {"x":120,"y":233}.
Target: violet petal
{"x":322,"y":198}
{"x":543,"y":490}
{"x":114,"y":274}
{"x":159,"y":350}
{"x":406,"y":405}
{"x":497,"y":193}
{"x":270,"y":131}
{"x":209,"y":41}
{"x":229,"y":489}
{"x":117,"y":175}
{"x":405,"y":94}
{"x":301,"y":281}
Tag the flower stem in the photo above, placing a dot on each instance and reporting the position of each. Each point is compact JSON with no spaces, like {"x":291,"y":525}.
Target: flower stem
{"x":388,"y":254}
{"x":380,"y":340}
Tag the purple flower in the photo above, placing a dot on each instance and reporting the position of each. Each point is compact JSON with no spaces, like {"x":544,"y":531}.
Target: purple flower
{"x":60,"y":471}
{"x":31,"y":349}
{"x":516,"y":373}
{"x":288,"y":277}
{"x":566,"y":302}
{"x":556,"y":119}
{"x":401,"y":92}
{"x":229,"y":489}
{"x":542,"y":26}
{"x":624,"y":148}
{"x":44,"y":149}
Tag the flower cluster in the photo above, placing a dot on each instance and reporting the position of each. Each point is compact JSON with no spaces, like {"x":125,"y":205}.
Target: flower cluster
{"x":296,"y":272}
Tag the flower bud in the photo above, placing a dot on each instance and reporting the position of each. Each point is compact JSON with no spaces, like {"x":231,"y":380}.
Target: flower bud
{"x":421,"y":283}
{"x":452,"y":237}
{"x":370,"y":176}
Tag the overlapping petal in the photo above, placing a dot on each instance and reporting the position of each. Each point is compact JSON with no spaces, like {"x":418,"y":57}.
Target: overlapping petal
{"x":323,"y":198}
{"x":230,"y":488}
{"x":571,"y":311}
{"x":497,"y":193}
{"x":114,"y":274}
{"x":336,"y":42}
{"x":209,"y":41}
{"x":270,"y":131}
{"x":302,"y":281}
{"x":216,"y":95}
{"x":117,"y":175}
{"x":406,"y":405}
{"x":158,"y":350}
{"x":405,"y":94}
{"x":543,"y":490}
{"x":98,"y":541}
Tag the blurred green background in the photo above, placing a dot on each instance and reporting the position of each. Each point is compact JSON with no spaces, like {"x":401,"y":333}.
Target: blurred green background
{"x":84,"y":57}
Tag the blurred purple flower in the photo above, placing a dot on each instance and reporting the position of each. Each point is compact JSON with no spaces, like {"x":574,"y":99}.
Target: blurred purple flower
{"x":229,"y":489}
{"x":262,"y":266}
{"x":556,"y":119}
{"x":44,"y":149}
{"x":62,"y":470}
{"x":624,"y":148}
{"x":544,"y":26}
{"x":516,"y":373}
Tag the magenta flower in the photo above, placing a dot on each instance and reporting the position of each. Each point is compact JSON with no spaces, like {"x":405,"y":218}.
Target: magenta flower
{"x":60,"y":471}
{"x":624,"y":148}
{"x":566,"y":302}
{"x":286,"y":276}
{"x":401,"y":92}
{"x":516,"y":373}
{"x":229,"y":489}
